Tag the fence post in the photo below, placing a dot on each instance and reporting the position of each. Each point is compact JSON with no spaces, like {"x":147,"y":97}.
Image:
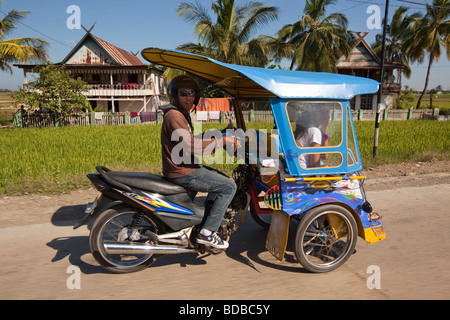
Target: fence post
{"x":335,"y":114}
{"x":127,"y":118}
{"x":17,"y":120}
{"x":222,"y":116}
{"x":92,"y":118}
{"x":159,"y":117}
{"x":435,"y":113}
{"x":385,"y":114}
{"x":410,"y":114}
{"x":360,"y":114}
{"x":251,"y":116}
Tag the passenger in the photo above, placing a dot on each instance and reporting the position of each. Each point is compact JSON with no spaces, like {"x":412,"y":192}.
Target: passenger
{"x":308,"y":135}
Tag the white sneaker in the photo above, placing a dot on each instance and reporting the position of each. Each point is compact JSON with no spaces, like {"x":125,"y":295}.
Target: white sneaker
{"x":213,"y":240}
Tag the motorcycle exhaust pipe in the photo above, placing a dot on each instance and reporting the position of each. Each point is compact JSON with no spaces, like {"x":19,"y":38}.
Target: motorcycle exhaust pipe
{"x":114,"y":247}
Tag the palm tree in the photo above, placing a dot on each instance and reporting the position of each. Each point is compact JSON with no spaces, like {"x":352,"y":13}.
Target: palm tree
{"x":398,"y":32}
{"x":317,"y":41}
{"x":432,"y":35}
{"x":21,"y":49}
{"x":228,"y":37}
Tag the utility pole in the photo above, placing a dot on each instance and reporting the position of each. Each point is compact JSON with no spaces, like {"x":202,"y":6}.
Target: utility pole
{"x":383,"y":54}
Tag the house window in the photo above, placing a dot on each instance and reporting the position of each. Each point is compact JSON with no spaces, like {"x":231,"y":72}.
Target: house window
{"x":367,"y":102}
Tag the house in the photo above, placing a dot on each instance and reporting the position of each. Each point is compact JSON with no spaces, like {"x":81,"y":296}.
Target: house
{"x":118,"y":80}
{"x":363,"y":62}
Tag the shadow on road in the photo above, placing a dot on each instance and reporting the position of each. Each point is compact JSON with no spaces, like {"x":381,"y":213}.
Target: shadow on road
{"x":74,"y":248}
{"x":247,"y":246}
{"x":68,"y":215}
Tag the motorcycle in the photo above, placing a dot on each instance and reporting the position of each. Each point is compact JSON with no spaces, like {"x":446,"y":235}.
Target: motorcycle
{"x":141,"y":216}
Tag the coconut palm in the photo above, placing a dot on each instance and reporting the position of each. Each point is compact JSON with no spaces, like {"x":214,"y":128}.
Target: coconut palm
{"x":398,"y":32}
{"x":228,"y":36}
{"x":21,"y":49}
{"x":317,"y":41}
{"x":432,"y":34}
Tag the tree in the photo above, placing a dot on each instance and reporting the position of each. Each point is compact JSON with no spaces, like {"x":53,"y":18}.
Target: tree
{"x":229,"y":37}
{"x":18,"y":50}
{"x":432,"y":34}
{"x":55,"y":91}
{"x":406,"y":99}
{"x":398,"y":32}
{"x":317,"y":41}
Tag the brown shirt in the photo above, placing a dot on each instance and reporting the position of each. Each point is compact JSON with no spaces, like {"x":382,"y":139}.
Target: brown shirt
{"x":179,"y":146}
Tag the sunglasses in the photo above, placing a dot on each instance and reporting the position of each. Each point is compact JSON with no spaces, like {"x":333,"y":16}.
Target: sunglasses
{"x":184,"y":93}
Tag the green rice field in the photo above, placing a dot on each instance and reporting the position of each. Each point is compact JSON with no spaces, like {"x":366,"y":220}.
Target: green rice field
{"x":52,"y":160}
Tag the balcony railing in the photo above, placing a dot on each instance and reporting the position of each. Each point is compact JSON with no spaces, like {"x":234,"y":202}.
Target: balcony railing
{"x":124,"y":89}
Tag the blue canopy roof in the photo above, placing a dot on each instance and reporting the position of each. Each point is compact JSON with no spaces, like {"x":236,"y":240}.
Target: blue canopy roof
{"x":252,"y":82}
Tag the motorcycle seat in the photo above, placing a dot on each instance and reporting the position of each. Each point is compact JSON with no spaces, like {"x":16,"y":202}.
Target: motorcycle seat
{"x":147,"y":181}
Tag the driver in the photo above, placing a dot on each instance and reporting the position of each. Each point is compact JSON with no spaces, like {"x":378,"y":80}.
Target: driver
{"x":179,"y":148}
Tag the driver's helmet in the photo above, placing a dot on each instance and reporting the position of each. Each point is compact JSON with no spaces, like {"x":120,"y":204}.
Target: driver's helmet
{"x":182,"y":81}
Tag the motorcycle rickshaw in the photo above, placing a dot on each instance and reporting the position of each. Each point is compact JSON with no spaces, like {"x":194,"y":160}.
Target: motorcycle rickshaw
{"x":284,"y":176}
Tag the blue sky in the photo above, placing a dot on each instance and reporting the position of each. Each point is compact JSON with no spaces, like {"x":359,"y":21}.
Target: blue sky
{"x":136,"y":24}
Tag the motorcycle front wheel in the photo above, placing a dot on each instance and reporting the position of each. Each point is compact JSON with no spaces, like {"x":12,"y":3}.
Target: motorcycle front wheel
{"x":120,"y":224}
{"x":325,"y":238}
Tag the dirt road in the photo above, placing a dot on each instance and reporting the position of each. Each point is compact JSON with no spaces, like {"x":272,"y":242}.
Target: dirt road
{"x":39,"y":249}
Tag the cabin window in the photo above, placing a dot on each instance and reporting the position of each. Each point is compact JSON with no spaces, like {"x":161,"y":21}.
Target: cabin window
{"x":316,"y":125}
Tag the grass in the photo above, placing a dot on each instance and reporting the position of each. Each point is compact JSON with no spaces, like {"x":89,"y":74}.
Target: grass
{"x":400,"y":141}
{"x":441,"y":101}
{"x":6,"y":108}
{"x":5,"y":99}
{"x":53,"y":160}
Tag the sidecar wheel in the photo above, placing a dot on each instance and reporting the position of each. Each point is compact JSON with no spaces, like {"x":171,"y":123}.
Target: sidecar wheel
{"x":114,"y":225}
{"x":325,"y":238}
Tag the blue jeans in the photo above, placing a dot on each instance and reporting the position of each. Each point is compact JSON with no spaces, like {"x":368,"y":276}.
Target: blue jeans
{"x":217,"y":185}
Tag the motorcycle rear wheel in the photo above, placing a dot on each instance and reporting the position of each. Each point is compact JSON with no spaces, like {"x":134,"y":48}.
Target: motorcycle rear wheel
{"x":325,"y":238}
{"x":114,"y":225}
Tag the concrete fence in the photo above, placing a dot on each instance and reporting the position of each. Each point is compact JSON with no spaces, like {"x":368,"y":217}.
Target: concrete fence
{"x":133,"y":118}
